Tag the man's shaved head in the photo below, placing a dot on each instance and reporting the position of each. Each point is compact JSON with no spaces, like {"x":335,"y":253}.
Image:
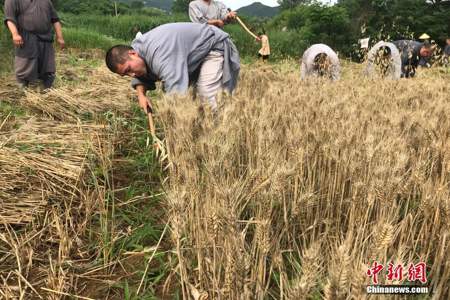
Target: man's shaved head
{"x":125,"y":61}
{"x":117,"y":55}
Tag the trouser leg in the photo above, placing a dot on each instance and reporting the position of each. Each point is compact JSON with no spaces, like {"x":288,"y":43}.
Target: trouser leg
{"x":26,"y":70}
{"x":48,"y":79}
{"x":209,"y":82}
{"x":46,"y":64}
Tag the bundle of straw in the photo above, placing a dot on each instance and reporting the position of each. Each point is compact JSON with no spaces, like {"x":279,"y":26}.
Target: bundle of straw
{"x":39,"y":161}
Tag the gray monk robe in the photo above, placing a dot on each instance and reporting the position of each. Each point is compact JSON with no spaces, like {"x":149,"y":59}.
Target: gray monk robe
{"x":174,"y":54}
{"x":202,"y":12}
{"x":34,"y":20}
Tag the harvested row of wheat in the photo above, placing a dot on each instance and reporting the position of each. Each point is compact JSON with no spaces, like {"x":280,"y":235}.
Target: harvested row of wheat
{"x":50,"y":192}
{"x":72,"y":103}
{"x":43,"y":160}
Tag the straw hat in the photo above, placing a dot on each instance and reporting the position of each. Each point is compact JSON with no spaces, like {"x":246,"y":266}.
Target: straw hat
{"x":424,"y":37}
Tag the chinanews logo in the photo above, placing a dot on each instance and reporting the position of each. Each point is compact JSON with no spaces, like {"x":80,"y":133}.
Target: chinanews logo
{"x":409,"y":279}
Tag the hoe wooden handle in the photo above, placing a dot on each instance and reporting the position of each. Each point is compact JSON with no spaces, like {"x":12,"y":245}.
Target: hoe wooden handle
{"x":244,"y":26}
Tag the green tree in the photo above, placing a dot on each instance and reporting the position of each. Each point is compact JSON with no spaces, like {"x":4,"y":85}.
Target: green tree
{"x":181,"y":6}
{"x":86,"y":6}
{"x":136,"y":4}
{"x":398,"y":19}
{"x":317,"y":23}
{"x":288,"y":4}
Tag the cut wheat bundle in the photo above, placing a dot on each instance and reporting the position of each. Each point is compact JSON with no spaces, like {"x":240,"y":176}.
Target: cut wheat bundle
{"x":42,"y":160}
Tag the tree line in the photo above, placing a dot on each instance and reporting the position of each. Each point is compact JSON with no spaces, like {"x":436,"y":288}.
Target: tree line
{"x":342,"y":24}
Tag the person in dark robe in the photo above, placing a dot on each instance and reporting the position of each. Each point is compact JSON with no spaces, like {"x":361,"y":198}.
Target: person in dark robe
{"x":31,"y":23}
{"x":413,"y":54}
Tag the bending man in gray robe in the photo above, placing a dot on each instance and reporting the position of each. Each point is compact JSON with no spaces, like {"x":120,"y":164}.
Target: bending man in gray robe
{"x":320,"y":60}
{"x":413,"y":54}
{"x":211,"y":12}
{"x":178,"y":54}
{"x":30,"y":23}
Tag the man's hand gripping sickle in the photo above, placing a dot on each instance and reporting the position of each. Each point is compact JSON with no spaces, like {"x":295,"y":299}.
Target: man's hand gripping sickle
{"x":145,"y":103}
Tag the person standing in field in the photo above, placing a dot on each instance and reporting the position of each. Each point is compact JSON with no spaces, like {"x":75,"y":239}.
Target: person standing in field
{"x":413,"y":54}
{"x":264,"y":52}
{"x":211,"y":12}
{"x":31,"y":23}
{"x":178,"y":55}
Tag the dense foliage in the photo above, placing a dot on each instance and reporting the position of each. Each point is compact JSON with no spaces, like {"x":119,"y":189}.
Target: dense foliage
{"x":341,"y":25}
{"x":180,"y":6}
{"x":399,"y":18}
{"x":316,"y":23}
{"x":310,"y":21}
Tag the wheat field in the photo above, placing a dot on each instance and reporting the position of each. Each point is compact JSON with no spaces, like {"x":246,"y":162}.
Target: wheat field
{"x":297,"y":187}
{"x":290,"y":192}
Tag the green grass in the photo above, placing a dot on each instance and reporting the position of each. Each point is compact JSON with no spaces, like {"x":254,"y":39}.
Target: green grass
{"x":87,"y":39}
{"x":102,"y":29}
{"x":6,"y":59}
{"x":133,"y":219}
{"x":121,"y":27}
{"x":102,"y":32}
{"x":11,"y":110}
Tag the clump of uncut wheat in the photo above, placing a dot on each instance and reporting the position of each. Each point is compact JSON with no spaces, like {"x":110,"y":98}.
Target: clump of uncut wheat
{"x":383,"y":61}
{"x":296,"y":187}
{"x":322,"y":64}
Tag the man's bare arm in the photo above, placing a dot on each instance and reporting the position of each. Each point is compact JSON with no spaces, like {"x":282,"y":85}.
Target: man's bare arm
{"x":59,"y":34}
{"x":17,"y":38}
{"x":218,"y":23}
